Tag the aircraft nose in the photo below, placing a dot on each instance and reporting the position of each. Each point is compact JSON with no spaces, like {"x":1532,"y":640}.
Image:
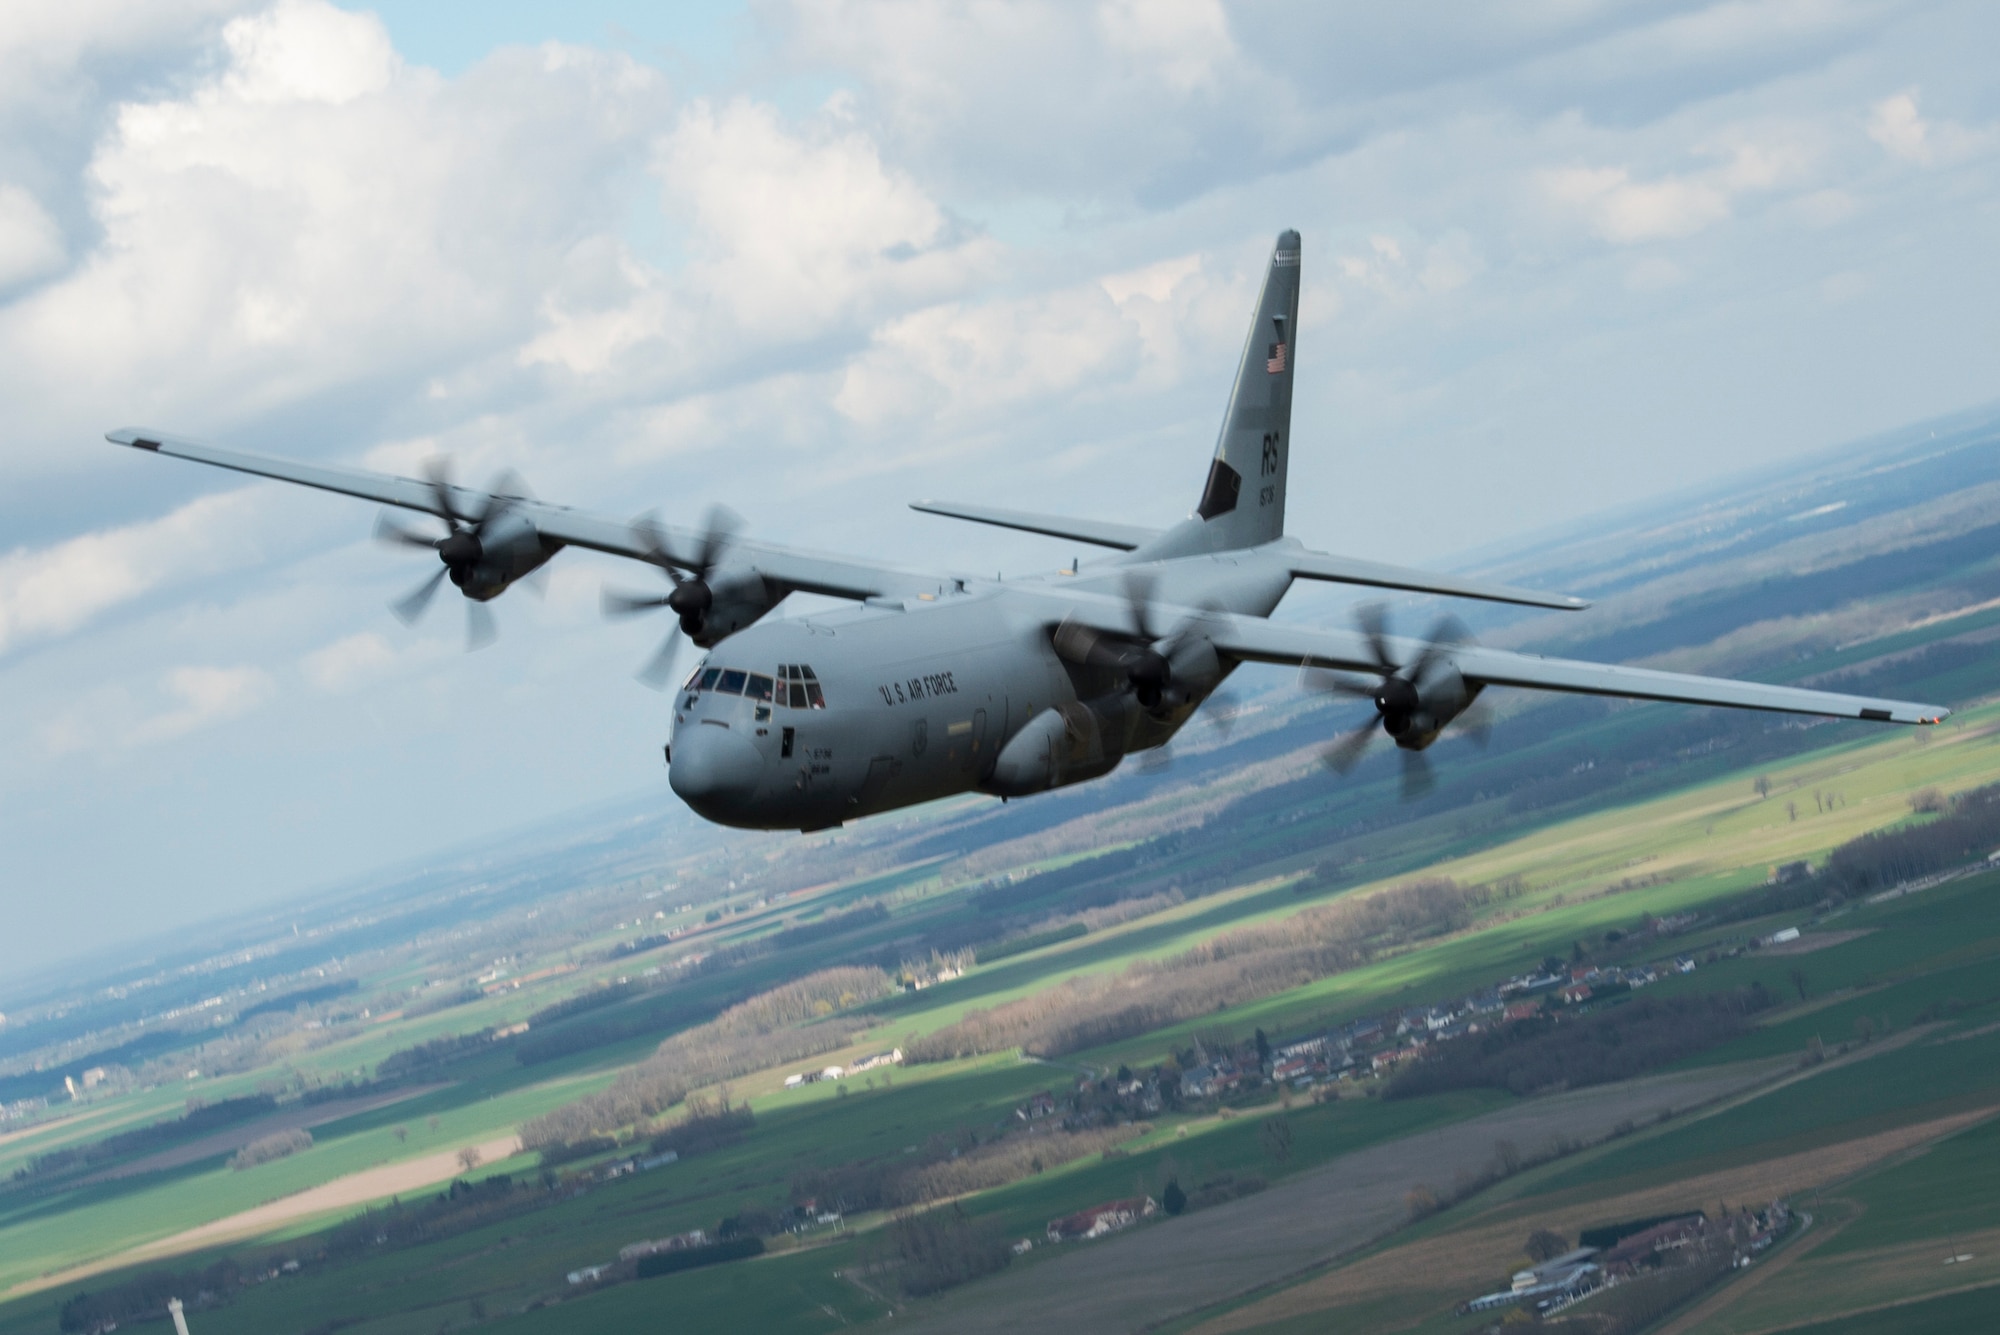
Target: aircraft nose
{"x":714,"y":770}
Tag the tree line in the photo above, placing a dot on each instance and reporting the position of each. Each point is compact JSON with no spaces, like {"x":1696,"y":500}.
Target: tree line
{"x":199,"y":1119}
{"x":950,"y":1166}
{"x":1598,"y":1048}
{"x":767,"y":1030}
{"x":1237,"y":966}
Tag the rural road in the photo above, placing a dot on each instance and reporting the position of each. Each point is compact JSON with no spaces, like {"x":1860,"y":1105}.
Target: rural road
{"x":1136,"y":1281}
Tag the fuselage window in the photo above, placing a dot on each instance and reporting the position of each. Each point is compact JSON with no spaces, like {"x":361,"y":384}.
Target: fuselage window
{"x":759,"y":687}
{"x":732,"y":682}
{"x":708,"y":679}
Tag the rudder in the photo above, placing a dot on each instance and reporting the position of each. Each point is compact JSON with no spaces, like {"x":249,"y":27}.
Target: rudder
{"x":1243,"y":504}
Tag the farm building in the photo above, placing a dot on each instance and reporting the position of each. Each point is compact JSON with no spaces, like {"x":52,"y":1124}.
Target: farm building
{"x":1100,"y":1219}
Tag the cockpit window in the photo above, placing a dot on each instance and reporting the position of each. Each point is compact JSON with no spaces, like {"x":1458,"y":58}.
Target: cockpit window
{"x":759,"y":687}
{"x":798,"y":688}
{"x":731,"y":682}
{"x":708,"y":679}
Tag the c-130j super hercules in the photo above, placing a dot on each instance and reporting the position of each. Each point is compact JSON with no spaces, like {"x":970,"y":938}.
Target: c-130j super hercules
{"x":932,"y":685}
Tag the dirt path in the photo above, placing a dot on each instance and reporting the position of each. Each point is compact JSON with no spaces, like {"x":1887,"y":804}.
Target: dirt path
{"x":230,"y":1139}
{"x":1121,"y":1284}
{"x":343,"y":1193}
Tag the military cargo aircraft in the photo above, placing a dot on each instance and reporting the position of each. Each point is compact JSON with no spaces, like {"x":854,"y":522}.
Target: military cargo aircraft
{"x":930,"y":684}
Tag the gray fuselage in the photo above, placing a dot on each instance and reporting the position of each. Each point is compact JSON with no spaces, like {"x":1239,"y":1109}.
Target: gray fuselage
{"x":918,"y":698}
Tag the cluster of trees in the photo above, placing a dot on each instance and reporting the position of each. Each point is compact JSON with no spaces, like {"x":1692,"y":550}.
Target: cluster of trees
{"x":199,"y":1119}
{"x":937,"y":1249}
{"x":441,"y":1001}
{"x":708,"y":1126}
{"x":1612,"y":1044}
{"x":144,"y":1297}
{"x":1967,"y":830}
{"x":943,"y":1168}
{"x":693,"y":1258}
{"x":597,"y":998}
{"x":461,"y":1206}
{"x":277,"y":1145}
{"x":432,"y":1052}
{"x":1235,"y":967}
{"x":767,"y":1030}
{"x":544,"y":1044}
{"x":291,"y":1001}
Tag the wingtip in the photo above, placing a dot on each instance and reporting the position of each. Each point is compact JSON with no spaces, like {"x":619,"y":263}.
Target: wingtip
{"x":136,"y":436}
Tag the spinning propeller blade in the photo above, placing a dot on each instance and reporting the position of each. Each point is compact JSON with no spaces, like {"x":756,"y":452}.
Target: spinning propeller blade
{"x":691,"y":596}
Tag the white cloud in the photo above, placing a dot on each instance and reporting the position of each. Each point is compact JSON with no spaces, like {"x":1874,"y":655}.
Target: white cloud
{"x":30,"y":242}
{"x":800,"y":228}
{"x":205,"y":696}
{"x":1625,"y":210}
{"x":54,"y":590}
{"x":351,"y":661}
{"x":1087,"y":101}
{"x":1901,"y":129}
{"x":315,"y":215}
{"x":302,"y":51}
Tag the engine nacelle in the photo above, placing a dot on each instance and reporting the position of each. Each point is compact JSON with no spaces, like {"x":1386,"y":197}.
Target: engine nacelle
{"x":1061,"y":745}
{"x":508,"y":548}
{"x":736,"y":600}
{"x":1415,"y":716}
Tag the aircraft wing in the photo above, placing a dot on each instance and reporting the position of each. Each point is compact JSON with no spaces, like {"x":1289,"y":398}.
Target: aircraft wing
{"x":559,"y":525}
{"x":1345,"y":570}
{"x":1253,"y":639}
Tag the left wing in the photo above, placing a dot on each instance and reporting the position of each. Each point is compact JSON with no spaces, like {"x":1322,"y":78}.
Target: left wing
{"x":1253,"y":639}
{"x":559,"y":525}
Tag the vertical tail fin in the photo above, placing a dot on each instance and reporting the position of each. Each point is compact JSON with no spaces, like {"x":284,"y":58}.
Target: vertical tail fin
{"x":1243,"y":504}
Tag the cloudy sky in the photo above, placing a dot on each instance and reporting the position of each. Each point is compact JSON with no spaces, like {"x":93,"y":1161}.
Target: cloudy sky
{"x":814,"y":260}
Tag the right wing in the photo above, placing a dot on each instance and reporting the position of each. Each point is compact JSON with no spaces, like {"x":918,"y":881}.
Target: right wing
{"x":561,"y":526}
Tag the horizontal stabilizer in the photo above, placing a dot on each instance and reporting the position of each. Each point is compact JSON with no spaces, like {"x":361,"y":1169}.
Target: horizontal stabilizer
{"x":1097,"y":533}
{"x":1343,"y":570}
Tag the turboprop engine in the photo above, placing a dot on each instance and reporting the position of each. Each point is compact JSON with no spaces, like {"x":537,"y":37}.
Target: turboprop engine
{"x":1414,"y":703}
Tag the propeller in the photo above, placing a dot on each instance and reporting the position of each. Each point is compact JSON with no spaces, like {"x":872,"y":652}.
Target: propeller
{"x":1145,"y":656}
{"x":460,"y":549}
{"x":691,"y":596}
{"x":1396,"y":696}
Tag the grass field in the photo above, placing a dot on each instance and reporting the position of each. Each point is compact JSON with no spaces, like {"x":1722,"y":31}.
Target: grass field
{"x":1925,"y":957}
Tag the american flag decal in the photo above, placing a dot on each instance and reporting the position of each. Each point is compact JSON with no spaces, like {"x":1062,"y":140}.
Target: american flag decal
{"x":1275,"y":362}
